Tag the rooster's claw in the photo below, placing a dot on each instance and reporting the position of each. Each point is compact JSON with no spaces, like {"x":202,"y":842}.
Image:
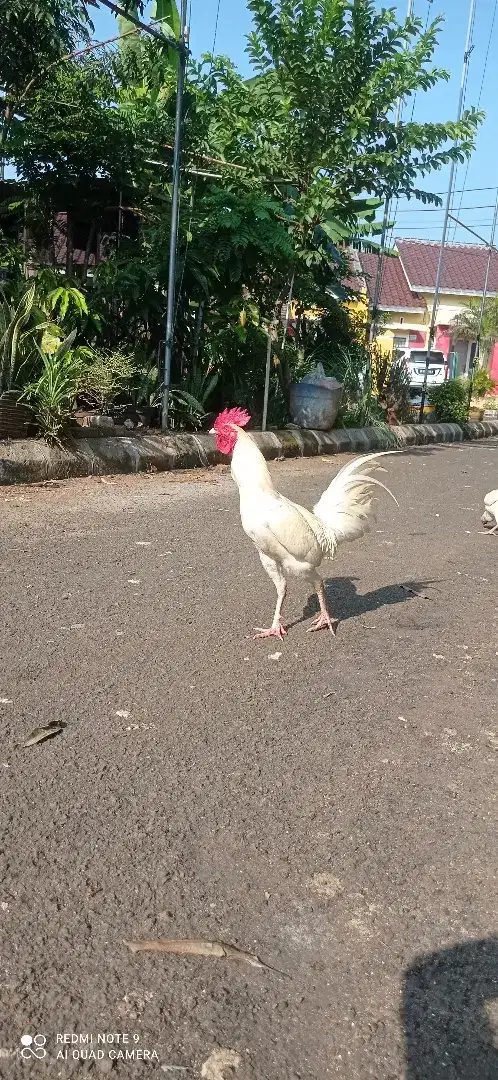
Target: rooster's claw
{"x":273,"y":631}
{"x":324,"y":622}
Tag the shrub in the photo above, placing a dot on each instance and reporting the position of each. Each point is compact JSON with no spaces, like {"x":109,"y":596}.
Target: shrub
{"x":109,"y":373}
{"x":392,"y":384}
{"x":482,"y":383}
{"x":450,"y":401}
{"x":52,"y":396}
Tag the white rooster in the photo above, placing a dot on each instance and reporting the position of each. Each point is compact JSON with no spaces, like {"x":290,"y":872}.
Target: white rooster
{"x":490,"y":516}
{"x":291,"y":540}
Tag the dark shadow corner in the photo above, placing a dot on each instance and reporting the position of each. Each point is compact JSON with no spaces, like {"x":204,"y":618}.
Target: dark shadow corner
{"x":450,"y":1014}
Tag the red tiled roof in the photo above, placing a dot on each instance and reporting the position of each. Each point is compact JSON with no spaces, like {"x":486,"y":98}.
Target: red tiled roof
{"x":464,"y":266}
{"x":395,"y":292}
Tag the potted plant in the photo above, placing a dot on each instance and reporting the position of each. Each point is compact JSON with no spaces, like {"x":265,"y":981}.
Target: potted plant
{"x":482,"y":385}
{"x":17,"y":353}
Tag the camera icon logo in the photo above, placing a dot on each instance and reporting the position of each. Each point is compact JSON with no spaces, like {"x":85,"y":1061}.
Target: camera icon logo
{"x":33,"y":1046}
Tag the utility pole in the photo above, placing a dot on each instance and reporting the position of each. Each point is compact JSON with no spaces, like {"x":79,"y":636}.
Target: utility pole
{"x":385,"y":223}
{"x":175,"y":203}
{"x":449,"y":197}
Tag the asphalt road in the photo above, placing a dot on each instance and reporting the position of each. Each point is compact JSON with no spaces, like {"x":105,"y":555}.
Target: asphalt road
{"x":333,"y":811}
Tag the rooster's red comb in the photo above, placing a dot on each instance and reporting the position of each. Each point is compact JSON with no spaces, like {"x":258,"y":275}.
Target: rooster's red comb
{"x":231,"y":416}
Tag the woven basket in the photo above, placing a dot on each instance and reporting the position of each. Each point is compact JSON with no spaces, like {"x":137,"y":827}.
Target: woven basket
{"x":16,"y":419}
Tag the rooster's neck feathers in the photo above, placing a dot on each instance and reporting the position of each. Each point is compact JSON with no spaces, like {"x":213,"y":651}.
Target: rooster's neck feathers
{"x":249,"y":468}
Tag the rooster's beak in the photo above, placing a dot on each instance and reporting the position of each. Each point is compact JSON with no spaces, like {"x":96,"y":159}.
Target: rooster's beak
{"x":212,"y":431}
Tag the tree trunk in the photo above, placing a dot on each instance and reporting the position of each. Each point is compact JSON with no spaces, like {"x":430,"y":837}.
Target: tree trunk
{"x":69,"y":245}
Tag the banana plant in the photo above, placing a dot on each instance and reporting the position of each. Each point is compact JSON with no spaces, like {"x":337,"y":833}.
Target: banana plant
{"x":165,"y":14}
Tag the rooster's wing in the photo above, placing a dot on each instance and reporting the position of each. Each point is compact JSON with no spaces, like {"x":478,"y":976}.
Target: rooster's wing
{"x":282,"y":530}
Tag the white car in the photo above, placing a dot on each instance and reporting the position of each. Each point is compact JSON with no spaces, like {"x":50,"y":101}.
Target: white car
{"x":415,"y":366}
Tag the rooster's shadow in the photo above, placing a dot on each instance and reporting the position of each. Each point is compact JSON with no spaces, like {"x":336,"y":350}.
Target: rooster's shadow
{"x":346,"y":603}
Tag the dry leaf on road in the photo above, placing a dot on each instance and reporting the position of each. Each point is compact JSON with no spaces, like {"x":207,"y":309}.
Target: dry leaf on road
{"x":218,"y":1062}
{"x":39,"y":734}
{"x":195,"y":947}
{"x":416,"y":592}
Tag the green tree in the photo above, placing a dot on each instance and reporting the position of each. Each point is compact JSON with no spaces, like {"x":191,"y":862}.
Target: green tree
{"x":465,"y":325}
{"x":280,"y":173}
{"x":33,"y":37}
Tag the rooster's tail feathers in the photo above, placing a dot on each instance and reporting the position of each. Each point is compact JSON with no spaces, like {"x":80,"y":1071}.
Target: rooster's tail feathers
{"x":345,"y":508}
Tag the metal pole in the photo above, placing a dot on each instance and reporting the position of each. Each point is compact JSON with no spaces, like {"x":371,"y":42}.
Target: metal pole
{"x":449,"y":197}
{"x":175,"y":202}
{"x":385,"y":222}
{"x":476,"y":357}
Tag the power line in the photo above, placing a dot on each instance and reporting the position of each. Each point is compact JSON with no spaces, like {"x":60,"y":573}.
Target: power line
{"x":486,"y":58}
{"x":439,"y":209}
{"x":449,"y":202}
{"x":456,"y":191}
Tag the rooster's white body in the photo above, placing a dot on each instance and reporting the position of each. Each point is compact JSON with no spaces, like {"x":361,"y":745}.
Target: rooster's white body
{"x":490,"y":516}
{"x":292,"y":541}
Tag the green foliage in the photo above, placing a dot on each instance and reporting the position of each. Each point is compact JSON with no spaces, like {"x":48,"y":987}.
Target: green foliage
{"x":107,"y":375}
{"x":17,"y":338}
{"x":391,"y":384}
{"x":73,"y":132}
{"x":467,"y":324}
{"x":145,"y":388}
{"x":200,"y":385}
{"x":482,"y":383}
{"x":450,"y":401}
{"x":35,"y":35}
{"x":338,"y":67}
{"x":52,"y":395}
{"x":280,"y":172}
{"x":184,"y":409}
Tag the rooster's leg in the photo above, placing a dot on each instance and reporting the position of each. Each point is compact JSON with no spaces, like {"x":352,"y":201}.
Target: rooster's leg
{"x":324,"y":620}
{"x":276,"y":629}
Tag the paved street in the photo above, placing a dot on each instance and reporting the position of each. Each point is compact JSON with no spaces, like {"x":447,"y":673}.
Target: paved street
{"x":333,"y":810}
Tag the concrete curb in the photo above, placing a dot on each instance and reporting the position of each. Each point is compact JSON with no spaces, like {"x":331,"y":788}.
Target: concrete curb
{"x":30,"y":461}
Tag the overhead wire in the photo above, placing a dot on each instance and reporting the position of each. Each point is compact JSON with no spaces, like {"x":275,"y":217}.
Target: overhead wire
{"x":479,"y":99}
{"x":390,"y":235}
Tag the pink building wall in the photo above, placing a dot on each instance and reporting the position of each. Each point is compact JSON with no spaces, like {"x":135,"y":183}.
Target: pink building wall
{"x":493,"y":367}
{"x":443,"y":340}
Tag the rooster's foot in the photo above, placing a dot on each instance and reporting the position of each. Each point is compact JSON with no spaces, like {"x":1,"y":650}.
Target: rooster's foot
{"x":278,"y":631}
{"x":324,"y":622}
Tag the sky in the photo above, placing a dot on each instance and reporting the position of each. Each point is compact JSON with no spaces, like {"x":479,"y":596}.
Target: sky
{"x":227,"y":22}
